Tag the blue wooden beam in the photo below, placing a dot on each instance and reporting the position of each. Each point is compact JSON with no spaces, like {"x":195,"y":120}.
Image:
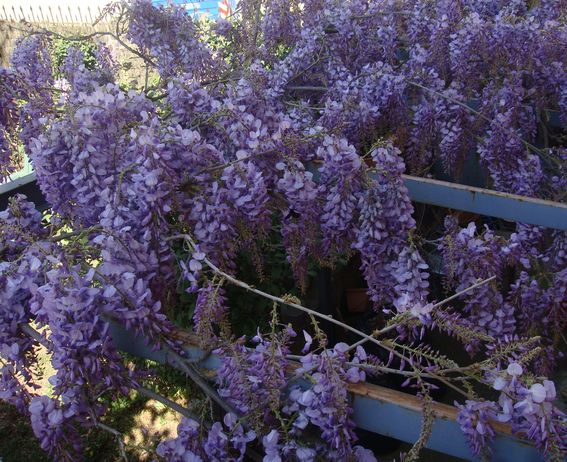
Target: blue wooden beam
{"x":377,"y":409}
{"x":487,"y":202}
{"x":398,"y":415}
{"x":26,"y":185}
{"x":17,"y":182}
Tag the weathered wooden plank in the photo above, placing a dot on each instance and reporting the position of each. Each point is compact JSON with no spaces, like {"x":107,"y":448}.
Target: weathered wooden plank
{"x":487,"y":202}
{"x":26,"y":185}
{"x":398,"y":415}
{"x":377,"y":409}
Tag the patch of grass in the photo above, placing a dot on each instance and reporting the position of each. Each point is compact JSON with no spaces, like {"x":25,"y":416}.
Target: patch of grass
{"x":17,"y":441}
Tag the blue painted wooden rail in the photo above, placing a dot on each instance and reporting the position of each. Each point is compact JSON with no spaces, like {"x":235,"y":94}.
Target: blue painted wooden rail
{"x":487,"y":202}
{"x":376,"y":409}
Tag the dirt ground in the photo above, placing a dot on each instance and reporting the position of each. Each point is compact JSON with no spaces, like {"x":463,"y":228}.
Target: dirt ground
{"x":143,"y":422}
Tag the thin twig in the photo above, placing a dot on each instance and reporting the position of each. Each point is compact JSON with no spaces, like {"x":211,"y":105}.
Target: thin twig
{"x":118,"y":436}
{"x":249,"y":288}
{"x":306,"y":87}
{"x":215,"y":168}
{"x":384,"y":369}
{"x":405,"y":315}
{"x":64,"y":236}
{"x":196,"y":377}
{"x":31,"y":332}
{"x":314,"y":313}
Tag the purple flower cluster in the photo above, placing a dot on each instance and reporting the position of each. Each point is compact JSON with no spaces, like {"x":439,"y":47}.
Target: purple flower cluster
{"x":422,"y":139}
{"x":170,"y":36}
{"x":524,"y":403}
{"x":300,"y":217}
{"x":240,"y":197}
{"x":528,"y":306}
{"x":21,"y":225}
{"x":411,"y":279}
{"x":511,"y":165}
{"x":210,"y":314}
{"x":17,"y":281}
{"x":454,"y":144}
{"x":132,"y":287}
{"x":247,"y":125}
{"x":82,"y":80}
{"x":469,"y":257}
{"x":87,"y":364}
{"x":76,"y":73}
{"x":32,"y":63}
{"x":31,"y":60}
{"x":10,"y":91}
{"x":107,"y":62}
{"x":340,"y":184}
{"x":190,"y":102}
{"x":21,"y":271}
{"x":307,"y":46}
{"x":73,"y":158}
{"x":278,"y":26}
{"x":527,"y":405}
{"x":52,"y":424}
{"x":385,"y":221}
{"x":357,"y":103}
{"x":225,"y":441}
{"x":325,"y":405}
{"x":252,"y":379}
{"x":475,"y":418}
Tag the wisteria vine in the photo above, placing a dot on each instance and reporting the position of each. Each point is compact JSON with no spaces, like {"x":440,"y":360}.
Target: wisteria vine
{"x":288,"y":126}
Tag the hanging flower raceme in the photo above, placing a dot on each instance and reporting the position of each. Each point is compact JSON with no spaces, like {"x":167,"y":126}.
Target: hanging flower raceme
{"x":32,"y":63}
{"x":384,"y":225}
{"x":470,"y":257}
{"x":170,"y":36}
{"x":340,"y":183}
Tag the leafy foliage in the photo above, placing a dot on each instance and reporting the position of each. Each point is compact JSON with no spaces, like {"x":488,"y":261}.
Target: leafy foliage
{"x":60,"y":50}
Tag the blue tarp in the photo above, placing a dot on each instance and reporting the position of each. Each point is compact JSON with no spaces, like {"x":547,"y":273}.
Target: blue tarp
{"x":208,"y":7}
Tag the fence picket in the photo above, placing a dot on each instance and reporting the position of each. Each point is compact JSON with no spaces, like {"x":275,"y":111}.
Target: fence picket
{"x":64,"y":12}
